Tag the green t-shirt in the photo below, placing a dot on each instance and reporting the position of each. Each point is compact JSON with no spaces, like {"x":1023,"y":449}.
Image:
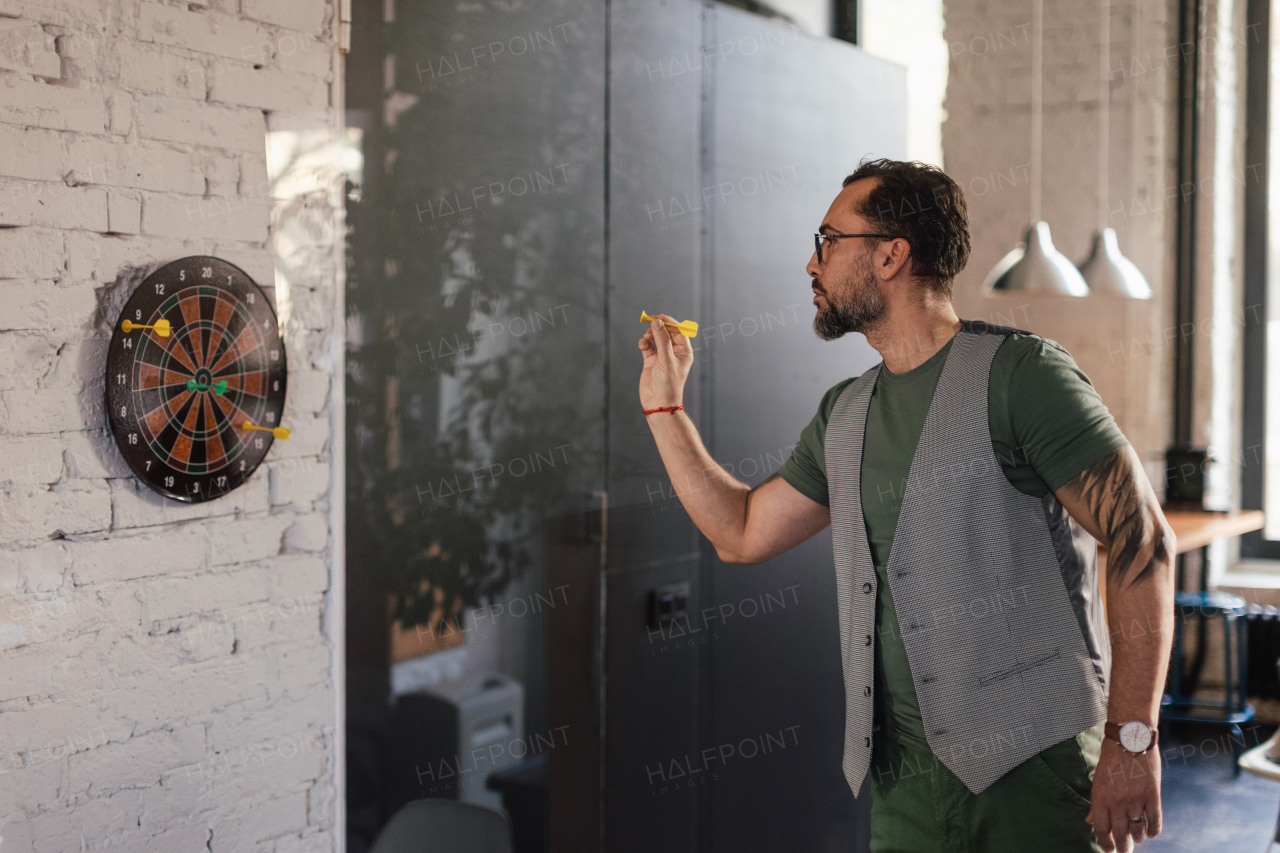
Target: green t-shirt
{"x":1047,"y":425}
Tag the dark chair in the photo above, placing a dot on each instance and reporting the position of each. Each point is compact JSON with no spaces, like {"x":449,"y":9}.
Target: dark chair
{"x":444,"y":826}
{"x":524,"y":797}
{"x":1180,"y":703}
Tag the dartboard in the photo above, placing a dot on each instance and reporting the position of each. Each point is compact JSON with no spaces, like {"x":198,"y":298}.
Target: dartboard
{"x":196,"y":379}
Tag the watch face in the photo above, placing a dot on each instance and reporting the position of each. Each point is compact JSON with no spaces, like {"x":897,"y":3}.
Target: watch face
{"x":1135,"y":736}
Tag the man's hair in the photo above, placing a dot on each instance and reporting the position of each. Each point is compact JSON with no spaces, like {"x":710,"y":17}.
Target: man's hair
{"x":919,"y":203}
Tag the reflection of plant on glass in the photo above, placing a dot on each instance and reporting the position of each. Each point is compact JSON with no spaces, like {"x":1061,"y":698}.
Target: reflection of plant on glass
{"x":479,"y":371}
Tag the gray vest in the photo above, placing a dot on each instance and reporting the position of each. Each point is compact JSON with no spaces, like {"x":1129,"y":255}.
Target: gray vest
{"x":996,"y":591}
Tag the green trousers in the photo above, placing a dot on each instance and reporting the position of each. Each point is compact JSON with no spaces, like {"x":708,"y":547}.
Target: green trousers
{"x":919,"y":806}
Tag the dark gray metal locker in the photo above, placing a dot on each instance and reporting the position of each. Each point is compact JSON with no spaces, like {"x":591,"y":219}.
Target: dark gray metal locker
{"x":729,"y":136}
{"x":793,"y":118}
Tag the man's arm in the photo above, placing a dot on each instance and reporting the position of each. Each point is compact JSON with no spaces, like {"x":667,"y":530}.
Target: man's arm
{"x":1113,"y":501}
{"x":745,"y":525}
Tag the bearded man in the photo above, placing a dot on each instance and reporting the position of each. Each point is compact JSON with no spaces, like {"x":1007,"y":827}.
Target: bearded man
{"x":965,"y":478}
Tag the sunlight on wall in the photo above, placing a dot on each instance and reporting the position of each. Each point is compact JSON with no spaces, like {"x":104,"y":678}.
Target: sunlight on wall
{"x":909,"y":32}
{"x":1271,"y":476}
{"x":304,"y":168}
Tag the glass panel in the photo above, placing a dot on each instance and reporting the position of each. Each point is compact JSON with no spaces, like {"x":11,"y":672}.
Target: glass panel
{"x":513,"y":536}
{"x":475,"y":405}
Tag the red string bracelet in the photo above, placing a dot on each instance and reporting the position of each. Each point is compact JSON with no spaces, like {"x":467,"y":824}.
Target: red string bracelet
{"x":663,"y":409}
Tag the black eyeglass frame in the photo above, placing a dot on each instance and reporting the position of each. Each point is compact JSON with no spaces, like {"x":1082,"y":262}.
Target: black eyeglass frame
{"x":819,"y":237}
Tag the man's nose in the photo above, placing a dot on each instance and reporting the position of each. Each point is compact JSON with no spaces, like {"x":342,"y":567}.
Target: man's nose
{"x":813,"y":268}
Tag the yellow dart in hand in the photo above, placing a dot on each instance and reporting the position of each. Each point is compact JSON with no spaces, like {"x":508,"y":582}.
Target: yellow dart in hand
{"x":688,"y":328}
{"x":278,"y":432}
{"x":161,"y":326}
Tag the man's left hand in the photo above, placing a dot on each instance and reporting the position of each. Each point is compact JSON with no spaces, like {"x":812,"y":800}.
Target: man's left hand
{"x":1125,"y":786}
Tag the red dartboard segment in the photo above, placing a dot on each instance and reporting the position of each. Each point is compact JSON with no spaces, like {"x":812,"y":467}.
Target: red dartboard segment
{"x":171,"y":377}
{"x":180,"y":449}
{"x":246,"y":342}
{"x":178,"y":426}
{"x":190,"y":305}
{"x":177,"y":351}
{"x":235,"y":417}
{"x":251,"y":383}
{"x":213,"y":445}
{"x":176,"y":403}
{"x":156,"y":420}
{"x":222,"y":314}
{"x":149,"y":376}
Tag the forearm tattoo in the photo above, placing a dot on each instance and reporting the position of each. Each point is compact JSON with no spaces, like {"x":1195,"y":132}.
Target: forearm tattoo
{"x":1123,"y":506}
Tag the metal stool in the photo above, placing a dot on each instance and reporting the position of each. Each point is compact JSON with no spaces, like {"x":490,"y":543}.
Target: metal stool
{"x":1234,"y":709}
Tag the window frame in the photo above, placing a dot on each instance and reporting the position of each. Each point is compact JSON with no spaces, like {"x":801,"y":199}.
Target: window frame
{"x":1259,"y":231}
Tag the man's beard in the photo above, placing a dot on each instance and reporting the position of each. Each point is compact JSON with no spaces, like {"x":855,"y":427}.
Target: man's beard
{"x":855,"y":307}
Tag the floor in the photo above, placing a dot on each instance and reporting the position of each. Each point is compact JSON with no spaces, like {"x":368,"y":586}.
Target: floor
{"x":1205,"y":808}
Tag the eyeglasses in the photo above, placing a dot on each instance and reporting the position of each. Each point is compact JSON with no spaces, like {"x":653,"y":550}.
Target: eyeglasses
{"x":818,"y":240}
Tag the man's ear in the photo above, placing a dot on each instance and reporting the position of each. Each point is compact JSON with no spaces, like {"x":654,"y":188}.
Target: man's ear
{"x":895,"y":256}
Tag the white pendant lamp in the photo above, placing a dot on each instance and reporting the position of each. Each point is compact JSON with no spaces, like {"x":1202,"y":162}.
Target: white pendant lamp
{"x":1035,"y":266}
{"x":1110,"y":273}
{"x":1107,"y":271}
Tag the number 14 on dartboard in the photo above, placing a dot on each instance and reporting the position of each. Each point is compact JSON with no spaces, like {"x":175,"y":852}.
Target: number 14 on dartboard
{"x":196,"y":379}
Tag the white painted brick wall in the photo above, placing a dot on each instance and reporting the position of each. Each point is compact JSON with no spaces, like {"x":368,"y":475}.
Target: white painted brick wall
{"x":30,"y":252}
{"x":32,"y":102}
{"x":165,"y":676}
{"x":987,"y":134}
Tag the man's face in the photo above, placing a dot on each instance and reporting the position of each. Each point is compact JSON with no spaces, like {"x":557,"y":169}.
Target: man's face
{"x":846,"y":291}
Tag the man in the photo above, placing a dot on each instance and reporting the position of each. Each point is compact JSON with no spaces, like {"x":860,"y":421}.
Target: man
{"x":995,"y":712}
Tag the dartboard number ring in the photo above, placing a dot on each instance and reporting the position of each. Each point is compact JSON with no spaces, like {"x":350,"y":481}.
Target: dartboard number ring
{"x":179,"y":404}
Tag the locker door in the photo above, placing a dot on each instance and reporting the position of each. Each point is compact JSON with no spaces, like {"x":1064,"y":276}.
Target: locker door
{"x":793,"y":116}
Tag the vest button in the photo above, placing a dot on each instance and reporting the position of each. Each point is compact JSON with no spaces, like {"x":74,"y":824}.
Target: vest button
{"x":867,"y":690}
{"x":868,"y":743}
{"x":868,"y":639}
{"x":866,"y":587}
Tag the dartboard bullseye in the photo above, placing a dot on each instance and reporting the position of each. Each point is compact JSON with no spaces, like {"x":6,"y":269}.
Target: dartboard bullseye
{"x":195,"y":379}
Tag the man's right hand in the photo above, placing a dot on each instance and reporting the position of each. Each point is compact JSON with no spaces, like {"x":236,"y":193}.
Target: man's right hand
{"x":668,"y":358}
{"x":745,"y":525}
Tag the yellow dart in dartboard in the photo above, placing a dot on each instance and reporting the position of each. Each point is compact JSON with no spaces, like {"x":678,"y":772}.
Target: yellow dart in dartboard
{"x":688,"y":328}
{"x":278,"y":432}
{"x":161,"y":327}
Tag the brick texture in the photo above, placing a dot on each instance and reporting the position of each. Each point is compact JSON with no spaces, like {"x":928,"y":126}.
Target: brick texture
{"x":166,"y":681}
{"x":987,"y":147}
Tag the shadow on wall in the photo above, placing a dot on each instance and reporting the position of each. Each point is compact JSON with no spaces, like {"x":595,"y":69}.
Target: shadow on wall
{"x":111,"y":298}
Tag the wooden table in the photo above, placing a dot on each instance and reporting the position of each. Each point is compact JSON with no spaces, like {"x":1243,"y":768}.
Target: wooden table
{"x":1196,"y":529}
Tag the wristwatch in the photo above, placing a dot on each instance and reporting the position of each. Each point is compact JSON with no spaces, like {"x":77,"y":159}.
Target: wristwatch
{"x":1135,"y":737}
